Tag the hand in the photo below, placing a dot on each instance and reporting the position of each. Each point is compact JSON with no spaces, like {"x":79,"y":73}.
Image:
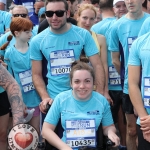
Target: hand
{"x":146,"y":136}
{"x":145,"y":124}
{"x":114,"y":138}
{"x":43,"y":104}
{"x":106,"y":94}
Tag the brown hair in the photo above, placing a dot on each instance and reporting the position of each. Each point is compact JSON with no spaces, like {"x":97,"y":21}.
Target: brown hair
{"x":17,"y":24}
{"x":82,"y":64}
{"x":20,"y":24}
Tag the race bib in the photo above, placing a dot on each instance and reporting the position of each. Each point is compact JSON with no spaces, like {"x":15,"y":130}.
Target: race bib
{"x":26,"y":80}
{"x":60,"y":62}
{"x":114,"y":77}
{"x":147,"y":92}
{"x":130,"y":41}
{"x":80,"y":133}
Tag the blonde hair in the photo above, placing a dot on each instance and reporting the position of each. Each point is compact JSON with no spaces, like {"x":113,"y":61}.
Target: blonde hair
{"x":84,"y":7}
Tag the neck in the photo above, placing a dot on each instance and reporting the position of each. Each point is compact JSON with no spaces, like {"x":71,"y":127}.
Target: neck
{"x":135,"y":16}
{"x":107,"y":14}
{"x":63,"y":29}
{"x":21,"y":46}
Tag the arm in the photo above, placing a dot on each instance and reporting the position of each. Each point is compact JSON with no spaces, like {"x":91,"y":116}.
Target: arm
{"x":110,"y":131}
{"x":103,"y":57}
{"x":134,"y":90}
{"x":116,"y":60}
{"x":14,"y":95}
{"x":99,"y":73}
{"x":49,"y":134}
{"x":39,"y":84}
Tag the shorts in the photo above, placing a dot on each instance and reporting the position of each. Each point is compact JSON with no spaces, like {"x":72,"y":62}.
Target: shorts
{"x":4,"y":104}
{"x":126,"y":104}
{"x":36,"y":112}
{"x":142,"y":143}
{"x":116,"y":96}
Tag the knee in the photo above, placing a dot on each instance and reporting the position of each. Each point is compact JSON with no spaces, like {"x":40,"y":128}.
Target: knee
{"x":131,"y":131}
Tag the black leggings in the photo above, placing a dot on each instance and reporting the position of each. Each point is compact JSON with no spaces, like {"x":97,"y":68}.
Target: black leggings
{"x":142,"y":143}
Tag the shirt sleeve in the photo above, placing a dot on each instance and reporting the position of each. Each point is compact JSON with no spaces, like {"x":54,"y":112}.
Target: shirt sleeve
{"x":134,"y":54}
{"x":113,"y":39}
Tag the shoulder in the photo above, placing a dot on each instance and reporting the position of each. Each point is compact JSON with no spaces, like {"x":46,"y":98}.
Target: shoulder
{"x":101,"y":38}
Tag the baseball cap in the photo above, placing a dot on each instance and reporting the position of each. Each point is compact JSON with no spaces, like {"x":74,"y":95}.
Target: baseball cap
{"x":116,"y":1}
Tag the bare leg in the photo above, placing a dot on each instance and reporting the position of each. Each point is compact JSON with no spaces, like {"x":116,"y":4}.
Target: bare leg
{"x":131,"y":132}
{"x":4,"y":121}
{"x":122,"y":127}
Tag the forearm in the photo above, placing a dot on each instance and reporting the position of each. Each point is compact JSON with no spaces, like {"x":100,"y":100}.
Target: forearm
{"x":53,"y":139}
{"x":14,"y":95}
{"x":136,"y":98}
{"x":99,"y":78}
{"x":40,"y":86}
{"x":106,"y":79}
{"x":109,"y":129}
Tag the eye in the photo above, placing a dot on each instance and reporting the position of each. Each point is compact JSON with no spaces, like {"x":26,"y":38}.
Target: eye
{"x":87,"y":81}
{"x":85,"y":18}
{"x":77,"y":81}
{"x":92,"y":19}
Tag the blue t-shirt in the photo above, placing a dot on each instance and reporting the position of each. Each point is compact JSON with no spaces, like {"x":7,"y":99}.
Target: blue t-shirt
{"x":145,"y":27}
{"x":19,"y":65}
{"x":125,"y":31}
{"x":103,"y":27}
{"x":29,"y":4}
{"x":34,"y":18}
{"x":60,"y":50}
{"x":5,"y":20}
{"x":66,"y":107}
{"x":139,"y":56}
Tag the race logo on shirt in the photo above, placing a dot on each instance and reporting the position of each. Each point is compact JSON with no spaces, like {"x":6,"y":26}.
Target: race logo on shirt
{"x":23,"y":137}
{"x":74,"y":43}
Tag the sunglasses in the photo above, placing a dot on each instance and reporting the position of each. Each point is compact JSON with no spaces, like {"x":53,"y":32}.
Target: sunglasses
{"x":21,"y":15}
{"x":59,"y":13}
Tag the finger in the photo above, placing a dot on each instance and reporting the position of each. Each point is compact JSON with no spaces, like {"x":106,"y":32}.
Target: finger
{"x":145,"y":129}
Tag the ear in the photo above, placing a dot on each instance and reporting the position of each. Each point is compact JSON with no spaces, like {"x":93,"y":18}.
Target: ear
{"x":16,"y":33}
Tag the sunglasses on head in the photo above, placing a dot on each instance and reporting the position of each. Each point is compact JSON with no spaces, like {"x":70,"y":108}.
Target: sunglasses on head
{"x":59,"y":13}
{"x":21,"y":15}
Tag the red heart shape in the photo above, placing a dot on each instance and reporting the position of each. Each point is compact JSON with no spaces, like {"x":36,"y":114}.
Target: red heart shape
{"x":23,"y":140}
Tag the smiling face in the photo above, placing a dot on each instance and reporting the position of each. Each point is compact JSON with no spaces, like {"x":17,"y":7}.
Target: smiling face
{"x":86,"y":19}
{"x":55,"y":22}
{"x":82,"y":84}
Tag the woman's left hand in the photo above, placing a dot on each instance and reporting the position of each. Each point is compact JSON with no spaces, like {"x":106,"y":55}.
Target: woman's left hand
{"x":114,"y":138}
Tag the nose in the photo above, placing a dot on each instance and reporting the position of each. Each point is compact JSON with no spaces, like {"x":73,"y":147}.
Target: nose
{"x":82,"y":85}
{"x":54,"y":16}
{"x":88,"y":21}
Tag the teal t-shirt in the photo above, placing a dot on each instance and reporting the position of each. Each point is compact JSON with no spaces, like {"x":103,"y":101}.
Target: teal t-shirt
{"x":60,"y":50}
{"x":66,"y":107}
{"x":139,"y":56}
{"x":5,"y":20}
{"x":104,"y":27}
{"x":19,"y":65}
{"x":125,"y":31}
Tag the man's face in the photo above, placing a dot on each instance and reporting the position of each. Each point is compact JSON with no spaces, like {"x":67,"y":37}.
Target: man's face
{"x":37,"y":6}
{"x":20,"y":12}
{"x":55,"y":21}
{"x":134,"y":6}
{"x":120,"y":9}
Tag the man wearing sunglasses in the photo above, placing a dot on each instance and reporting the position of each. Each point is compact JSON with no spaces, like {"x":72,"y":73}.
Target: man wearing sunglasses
{"x":61,"y":44}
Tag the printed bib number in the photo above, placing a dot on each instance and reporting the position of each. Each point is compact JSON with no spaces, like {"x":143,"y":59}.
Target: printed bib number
{"x":60,"y":62}
{"x":130,"y":41}
{"x":114,"y":77}
{"x":147,"y":92}
{"x":80,"y":133}
{"x":26,"y":81}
